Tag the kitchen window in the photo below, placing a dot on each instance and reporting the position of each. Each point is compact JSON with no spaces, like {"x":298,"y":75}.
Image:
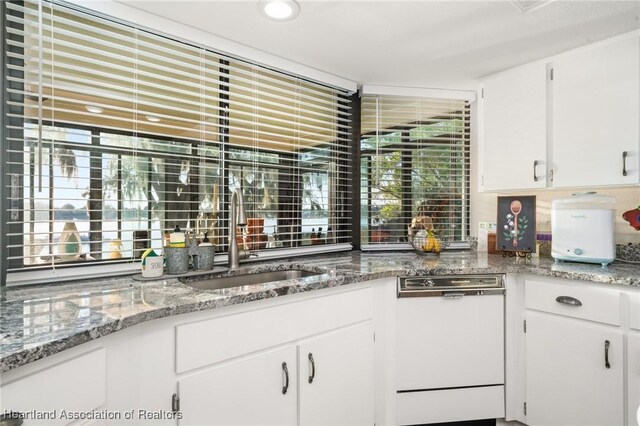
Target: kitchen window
{"x":113,"y":135}
{"x":414,"y":161}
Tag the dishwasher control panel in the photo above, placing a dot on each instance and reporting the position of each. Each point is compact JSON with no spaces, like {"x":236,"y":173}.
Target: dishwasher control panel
{"x":450,"y":285}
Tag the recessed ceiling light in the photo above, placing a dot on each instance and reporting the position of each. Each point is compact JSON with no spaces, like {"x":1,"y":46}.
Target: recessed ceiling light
{"x":279,"y":10}
{"x":94,"y":109}
{"x":153,"y":118}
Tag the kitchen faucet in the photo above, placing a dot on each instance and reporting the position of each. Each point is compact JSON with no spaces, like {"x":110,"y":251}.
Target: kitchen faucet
{"x":238,"y":218}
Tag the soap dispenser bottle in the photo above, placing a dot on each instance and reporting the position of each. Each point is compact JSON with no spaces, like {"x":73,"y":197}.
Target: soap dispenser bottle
{"x":177,"y":238}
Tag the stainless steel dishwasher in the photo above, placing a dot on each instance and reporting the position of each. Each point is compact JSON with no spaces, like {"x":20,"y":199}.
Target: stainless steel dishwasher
{"x":450,"y":348}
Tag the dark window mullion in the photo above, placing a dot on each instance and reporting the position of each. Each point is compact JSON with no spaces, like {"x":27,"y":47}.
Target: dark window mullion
{"x":290,"y":189}
{"x":406,"y":184}
{"x":11,"y":128}
{"x":223,"y":182}
{"x":369,"y":198}
{"x":120,"y":203}
{"x":94,"y":203}
{"x":466,"y":154}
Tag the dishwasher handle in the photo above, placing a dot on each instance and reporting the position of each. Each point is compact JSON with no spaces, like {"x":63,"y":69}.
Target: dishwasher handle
{"x":453,"y":294}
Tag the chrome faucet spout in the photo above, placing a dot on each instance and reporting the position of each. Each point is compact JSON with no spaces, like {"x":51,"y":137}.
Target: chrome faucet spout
{"x":238,"y":218}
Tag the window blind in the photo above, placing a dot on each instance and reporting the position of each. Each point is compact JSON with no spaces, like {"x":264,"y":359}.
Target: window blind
{"x":114,"y":135}
{"x":414,"y":161}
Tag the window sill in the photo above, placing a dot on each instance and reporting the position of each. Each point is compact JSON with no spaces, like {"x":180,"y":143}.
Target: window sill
{"x":106,"y":270}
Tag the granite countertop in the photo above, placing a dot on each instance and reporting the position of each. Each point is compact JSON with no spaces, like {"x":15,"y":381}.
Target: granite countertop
{"x":38,"y":321}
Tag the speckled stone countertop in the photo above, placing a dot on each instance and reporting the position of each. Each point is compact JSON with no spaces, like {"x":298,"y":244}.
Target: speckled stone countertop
{"x":38,"y":321}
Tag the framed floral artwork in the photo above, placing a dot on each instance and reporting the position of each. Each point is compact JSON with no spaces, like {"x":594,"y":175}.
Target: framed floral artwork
{"x":516,"y":224}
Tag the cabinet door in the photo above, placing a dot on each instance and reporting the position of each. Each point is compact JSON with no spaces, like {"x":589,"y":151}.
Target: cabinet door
{"x":515,"y":129}
{"x":596,"y":109}
{"x":246,"y":392}
{"x":336,"y":388}
{"x":567,"y":380}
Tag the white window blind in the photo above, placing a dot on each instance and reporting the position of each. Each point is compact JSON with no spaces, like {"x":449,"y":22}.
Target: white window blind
{"x":414,"y":161}
{"x":115,"y":135}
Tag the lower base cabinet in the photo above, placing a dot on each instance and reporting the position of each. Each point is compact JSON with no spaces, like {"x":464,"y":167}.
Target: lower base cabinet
{"x":292,"y":362}
{"x":574,"y":372}
{"x":326,"y":380}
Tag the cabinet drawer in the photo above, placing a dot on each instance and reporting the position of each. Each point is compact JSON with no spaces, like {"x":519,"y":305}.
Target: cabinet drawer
{"x":449,"y":405}
{"x":590,"y":303}
{"x":73,"y":386}
{"x":218,"y":339}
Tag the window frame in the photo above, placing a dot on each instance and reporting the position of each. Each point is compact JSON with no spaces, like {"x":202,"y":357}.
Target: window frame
{"x":17,"y":265}
{"x":406,"y":147}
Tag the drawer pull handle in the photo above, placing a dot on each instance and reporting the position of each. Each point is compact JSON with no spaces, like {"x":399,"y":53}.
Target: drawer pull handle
{"x":606,"y":354}
{"x":535,"y":177}
{"x":568,"y":300}
{"x":313,"y":368}
{"x":285,"y":388}
{"x":624,"y":163}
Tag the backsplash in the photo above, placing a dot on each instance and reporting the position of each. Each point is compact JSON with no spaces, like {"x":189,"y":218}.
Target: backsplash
{"x":484,"y":207}
{"x":628,"y":252}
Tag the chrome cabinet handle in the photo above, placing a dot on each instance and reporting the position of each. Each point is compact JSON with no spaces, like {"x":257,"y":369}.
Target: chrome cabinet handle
{"x":624,"y":163}
{"x":286,"y":378}
{"x":606,"y":354}
{"x":568,"y":300}
{"x":175,"y":403}
{"x":313,"y":368}
{"x":535,"y":164}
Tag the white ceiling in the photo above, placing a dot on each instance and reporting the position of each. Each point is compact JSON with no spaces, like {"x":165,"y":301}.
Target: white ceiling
{"x":444,"y":44}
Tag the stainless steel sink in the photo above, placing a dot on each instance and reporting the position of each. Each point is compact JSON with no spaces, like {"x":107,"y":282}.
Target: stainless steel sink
{"x":249,"y":279}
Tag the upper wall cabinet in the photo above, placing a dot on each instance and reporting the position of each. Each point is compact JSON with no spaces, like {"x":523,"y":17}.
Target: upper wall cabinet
{"x":571,"y":121}
{"x":596,"y":105}
{"x":514,"y":149}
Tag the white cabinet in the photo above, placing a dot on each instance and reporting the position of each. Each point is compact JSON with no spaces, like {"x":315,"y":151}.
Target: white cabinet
{"x":336,"y":378}
{"x":514,"y":146}
{"x":596,"y":110}
{"x":574,"y":354}
{"x":260,"y":389}
{"x":59,"y":393}
{"x":322,"y":381}
{"x":234,"y":367}
{"x":574,"y":372}
{"x":572,"y":120}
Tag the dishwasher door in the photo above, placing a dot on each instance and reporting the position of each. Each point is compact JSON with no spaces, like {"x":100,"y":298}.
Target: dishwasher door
{"x":450,"y":342}
{"x":450,"y":358}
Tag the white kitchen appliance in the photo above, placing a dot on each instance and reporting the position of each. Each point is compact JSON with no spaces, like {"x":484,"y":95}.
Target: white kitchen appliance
{"x":582,"y":227}
{"x":450,"y":348}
